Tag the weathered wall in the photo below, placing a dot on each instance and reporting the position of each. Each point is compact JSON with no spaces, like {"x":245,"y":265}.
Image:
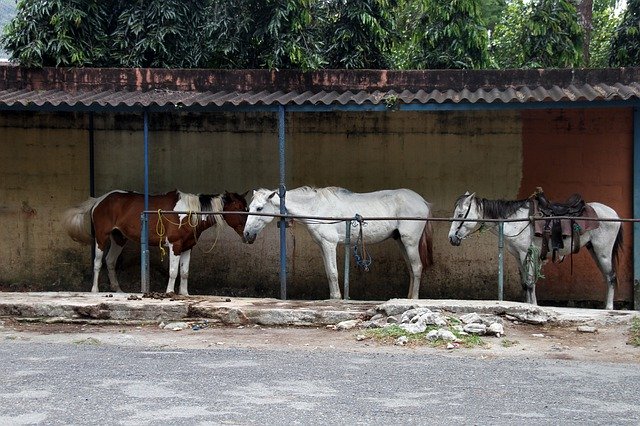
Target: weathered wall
{"x":589,"y":152}
{"x":438,"y":154}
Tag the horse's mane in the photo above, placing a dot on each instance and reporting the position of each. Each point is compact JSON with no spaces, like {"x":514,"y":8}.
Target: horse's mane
{"x":203,"y":203}
{"x":500,"y":209}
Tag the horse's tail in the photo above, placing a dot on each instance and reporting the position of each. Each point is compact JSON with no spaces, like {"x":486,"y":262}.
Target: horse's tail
{"x":77,"y":221}
{"x":425,"y":248}
{"x":615,"y":251}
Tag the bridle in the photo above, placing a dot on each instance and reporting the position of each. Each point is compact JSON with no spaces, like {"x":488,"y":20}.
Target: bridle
{"x":466,"y":215}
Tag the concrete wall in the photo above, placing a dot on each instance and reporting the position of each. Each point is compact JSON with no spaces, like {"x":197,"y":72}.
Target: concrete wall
{"x":438,"y":154}
{"x":589,"y":152}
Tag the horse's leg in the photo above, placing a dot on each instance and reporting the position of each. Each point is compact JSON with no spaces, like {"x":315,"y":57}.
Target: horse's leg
{"x":605,"y":264}
{"x":185,"y":258}
{"x":526,"y":278}
{"x":174,"y":265}
{"x":112,"y":256}
{"x":405,"y":256}
{"x":415,"y":270}
{"x":331,"y":267}
{"x":97,"y":264}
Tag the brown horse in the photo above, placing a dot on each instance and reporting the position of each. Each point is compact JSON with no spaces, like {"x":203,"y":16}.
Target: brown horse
{"x":116,"y":218}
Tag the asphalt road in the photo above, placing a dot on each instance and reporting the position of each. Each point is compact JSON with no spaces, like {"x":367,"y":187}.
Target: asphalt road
{"x":44,"y":382}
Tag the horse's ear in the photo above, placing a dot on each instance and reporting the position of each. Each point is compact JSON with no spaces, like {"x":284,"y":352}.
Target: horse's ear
{"x":244,"y":195}
{"x":271,"y":195}
{"x":466,"y":193}
{"x":472,"y":195}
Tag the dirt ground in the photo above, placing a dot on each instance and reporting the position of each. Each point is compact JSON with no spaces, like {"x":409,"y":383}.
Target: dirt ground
{"x":608,"y":343}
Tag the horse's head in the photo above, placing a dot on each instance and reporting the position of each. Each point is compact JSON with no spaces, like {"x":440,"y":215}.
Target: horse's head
{"x":465,"y":210}
{"x":233,"y":202}
{"x":263,"y":201}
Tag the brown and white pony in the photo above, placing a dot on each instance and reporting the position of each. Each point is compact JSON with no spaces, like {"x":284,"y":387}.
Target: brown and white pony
{"x":115,"y":218}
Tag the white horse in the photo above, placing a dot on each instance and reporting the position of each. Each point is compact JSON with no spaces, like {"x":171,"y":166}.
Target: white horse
{"x":604,"y":242}
{"x":413,"y":236}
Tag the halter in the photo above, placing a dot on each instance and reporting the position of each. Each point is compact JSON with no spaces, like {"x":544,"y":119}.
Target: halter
{"x":464,"y":219}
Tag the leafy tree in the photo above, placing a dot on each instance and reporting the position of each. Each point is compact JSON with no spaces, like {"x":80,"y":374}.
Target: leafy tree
{"x":358,"y":33}
{"x":538,"y":34}
{"x":505,"y":46}
{"x":165,"y":33}
{"x":444,"y":34}
{"x":160,"y":33}
{"x":263,"y":33}
{"x":58,"y":32}
{"x":625,"y":47}
{"x":605,"y":22}
{"x":491,"y":11}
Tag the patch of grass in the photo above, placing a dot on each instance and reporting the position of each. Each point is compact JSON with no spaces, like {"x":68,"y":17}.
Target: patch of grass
{"x":389,"y":335}
{"x":634,"y":332}
{"x":88,"y":341}
{"x":506,"y":343}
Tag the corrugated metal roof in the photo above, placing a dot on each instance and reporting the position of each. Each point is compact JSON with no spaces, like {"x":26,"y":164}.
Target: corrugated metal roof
{"x":100,"y":88}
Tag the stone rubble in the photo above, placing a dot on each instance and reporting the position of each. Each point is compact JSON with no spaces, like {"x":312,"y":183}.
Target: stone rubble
{"x":416,"y":320}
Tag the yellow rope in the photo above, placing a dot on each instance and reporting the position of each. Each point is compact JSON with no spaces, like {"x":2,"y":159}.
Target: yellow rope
{"x":216,"y":240}
{"x":192,"y":220}
{"x":160,"y":230}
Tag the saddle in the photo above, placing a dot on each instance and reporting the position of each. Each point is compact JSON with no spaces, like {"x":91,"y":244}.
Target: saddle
{"x":553,"y":230}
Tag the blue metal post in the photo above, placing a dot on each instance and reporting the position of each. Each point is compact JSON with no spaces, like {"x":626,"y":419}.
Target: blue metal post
{"x":144,"y":236}
{"x":92,"y":175}
{"x":283,"y":208}
{"x":501,"y":261}
{"x":347,"y":252}
{"x":636,"y":208}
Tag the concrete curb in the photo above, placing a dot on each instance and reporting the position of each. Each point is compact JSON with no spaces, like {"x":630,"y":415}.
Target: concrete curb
{"x":109,"y":308}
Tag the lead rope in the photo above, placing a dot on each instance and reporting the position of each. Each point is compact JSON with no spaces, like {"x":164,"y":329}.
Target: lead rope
{"x":362,"y":260}
{"x":161,"y":230}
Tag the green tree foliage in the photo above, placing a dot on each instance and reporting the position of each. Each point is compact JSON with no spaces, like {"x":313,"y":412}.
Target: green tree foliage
{"x":263,"y":34}
{"x":58,"y":32}
{"x":625,"y":47}
{"x":358,"y":33}
{"x":538,"y":34}
{"x":605,"y":22}
{"x":164,"y":33}
{"x":442,"y":34}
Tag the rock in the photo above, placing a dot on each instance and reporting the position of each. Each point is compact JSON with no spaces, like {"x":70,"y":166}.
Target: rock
{"x":348,"y":325}
{"x":587,"y":329}
{"x":396,"y":307}
{"x":414,"y":328}
{"x":411,"y":314}
{"x":533,"y":317}
{"x":471,"y":318}
{"x":491,"y":319}
{"x":377,"y":317}
{"x":432,"y":318}
{"x":392,"y":320}
{"x":537,"y":335}
{"x":475,"y":328}
{"x":496,"y":329}
{"x":360,"y":337}
{"x":451,"y":346}
{"x":441,"y":334}
{"x":402,"y":340}
{"x":176,"y":326}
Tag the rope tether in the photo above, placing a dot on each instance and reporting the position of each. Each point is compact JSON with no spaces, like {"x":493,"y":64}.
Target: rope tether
{"x":362,"y":260}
